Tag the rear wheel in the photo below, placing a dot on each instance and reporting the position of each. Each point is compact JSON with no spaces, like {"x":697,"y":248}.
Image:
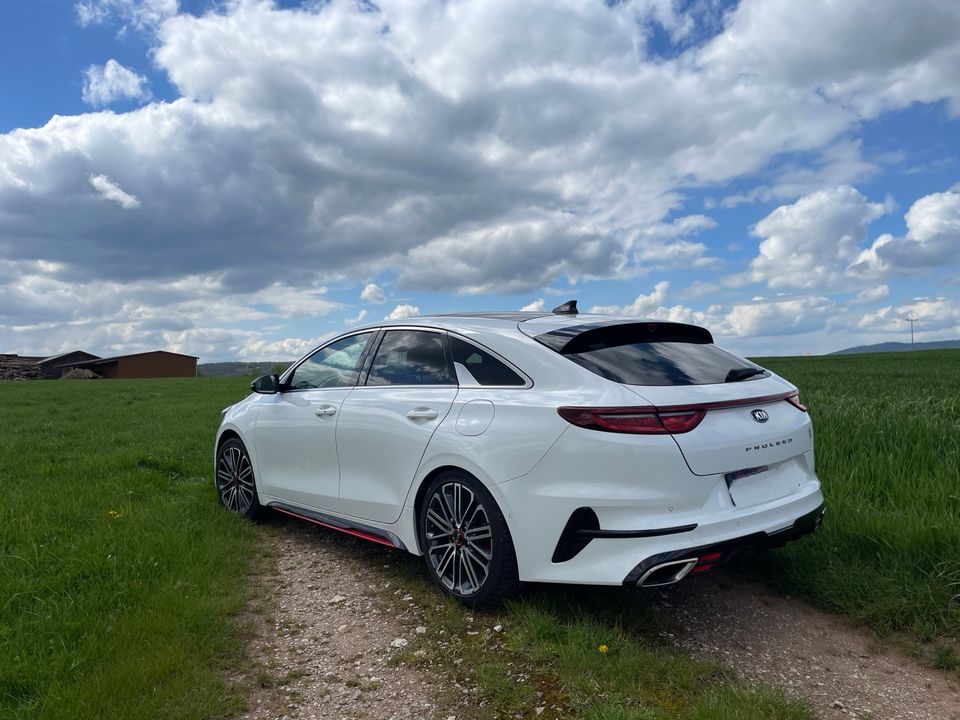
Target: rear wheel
{"x":466,"y":543}
{"x":236,"y":484}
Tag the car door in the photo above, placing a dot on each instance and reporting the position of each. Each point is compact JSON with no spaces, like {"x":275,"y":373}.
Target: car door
{"x":387,"y":421}
{"x":296,"y":428}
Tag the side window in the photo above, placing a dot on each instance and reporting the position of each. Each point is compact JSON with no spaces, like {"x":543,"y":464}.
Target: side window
{"x":410,"y":357}
{"x":484,"y":367}
{"x":336,"y":365}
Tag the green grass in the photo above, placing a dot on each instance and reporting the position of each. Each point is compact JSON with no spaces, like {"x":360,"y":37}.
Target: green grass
{"x":120,"y":576}
{"x":888,"y":453}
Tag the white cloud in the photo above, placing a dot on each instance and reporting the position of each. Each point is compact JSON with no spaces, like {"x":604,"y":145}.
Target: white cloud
{"x":103,"y":84}
{"x":872,"y":294}
{"x":932,"y":314}
{"x":932,"y":240}
{"x":773,"y":318}
{"x":109,"y":190}
{"x":357,"y":319}
{"x":513,"y":255}
{"x":372,"y":293}
{"x":642,"y":306}
{"x":292,"y":301}
{"x":537,"y":305}
{"x":402,"y":311}
{"x":808,"y":244}
{"x":139,"y":14}
{"x":781,"y":317}
{"x":871,"y":55}
{"x":564,"y":146}
{"x":840,"y":163}
{"x":686,"y":225}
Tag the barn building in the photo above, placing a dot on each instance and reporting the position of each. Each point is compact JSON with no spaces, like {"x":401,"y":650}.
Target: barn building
{"x":56,"y":365}
{"x":153,"y":364}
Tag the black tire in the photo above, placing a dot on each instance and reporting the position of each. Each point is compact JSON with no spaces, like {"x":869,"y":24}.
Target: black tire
{"x":235,"y":481}
{"x":465,"y":540}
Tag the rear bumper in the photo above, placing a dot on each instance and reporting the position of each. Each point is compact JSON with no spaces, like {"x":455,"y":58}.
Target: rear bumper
{"x":722,"y":552}
{"x":646,"y":503}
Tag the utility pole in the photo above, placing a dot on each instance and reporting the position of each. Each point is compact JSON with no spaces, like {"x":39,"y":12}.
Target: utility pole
{"x":911,"y":321}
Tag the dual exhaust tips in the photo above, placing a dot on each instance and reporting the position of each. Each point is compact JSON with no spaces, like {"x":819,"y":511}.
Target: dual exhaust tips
{"x":668,"y":573}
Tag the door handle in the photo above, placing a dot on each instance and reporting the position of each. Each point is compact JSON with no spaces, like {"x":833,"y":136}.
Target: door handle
{"x":422,"y":413}
{"x":325,"y":411}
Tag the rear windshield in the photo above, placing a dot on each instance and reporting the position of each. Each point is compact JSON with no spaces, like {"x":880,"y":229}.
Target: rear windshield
{"x":650,"y":354}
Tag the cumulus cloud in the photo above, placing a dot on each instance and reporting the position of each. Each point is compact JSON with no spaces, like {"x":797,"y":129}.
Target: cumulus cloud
{"x":372,"y":293}
{"x":104,"y":84}
{"x":807,"y":244}
{"x":932,"y":240}
{"x":559,"y":130}
{"x":643,"y":305}
{"x":868,"y":54}
{"x":109,"y":190}
{"x":402,"y":311}
{"x":537,"y":305}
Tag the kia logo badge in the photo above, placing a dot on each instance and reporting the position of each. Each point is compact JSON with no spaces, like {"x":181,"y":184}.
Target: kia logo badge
{"x":760,"y":416}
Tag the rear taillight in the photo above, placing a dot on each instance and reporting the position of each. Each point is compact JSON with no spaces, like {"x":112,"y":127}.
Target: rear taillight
{"x":794,"y":400}
{"x":635,"y":420}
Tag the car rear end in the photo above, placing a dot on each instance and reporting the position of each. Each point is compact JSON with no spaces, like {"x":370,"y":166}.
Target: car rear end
{"x":677,"y":456}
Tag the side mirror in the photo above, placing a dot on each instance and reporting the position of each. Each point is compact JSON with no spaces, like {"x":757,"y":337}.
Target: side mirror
{"x":266,"y":384}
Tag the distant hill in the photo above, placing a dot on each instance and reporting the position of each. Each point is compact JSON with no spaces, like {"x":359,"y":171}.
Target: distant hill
{"x":242,"y":369}
{"x":899,"y":347}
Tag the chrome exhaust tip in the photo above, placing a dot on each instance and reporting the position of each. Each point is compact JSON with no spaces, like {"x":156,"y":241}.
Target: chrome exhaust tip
{"x":667,"y":573}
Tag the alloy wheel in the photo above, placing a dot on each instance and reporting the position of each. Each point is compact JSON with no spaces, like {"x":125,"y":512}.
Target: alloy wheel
{"x":459,"y":538}
{"x":235,"y":480}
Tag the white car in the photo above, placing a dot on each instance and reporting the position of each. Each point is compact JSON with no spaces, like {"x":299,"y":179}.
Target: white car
{"x":546,"y":447}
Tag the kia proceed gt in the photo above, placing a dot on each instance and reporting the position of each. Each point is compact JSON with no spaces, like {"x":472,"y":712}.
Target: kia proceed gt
{"x":548,"y":447}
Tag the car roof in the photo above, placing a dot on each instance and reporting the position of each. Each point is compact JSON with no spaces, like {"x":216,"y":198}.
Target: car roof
{"x":530,"y":323}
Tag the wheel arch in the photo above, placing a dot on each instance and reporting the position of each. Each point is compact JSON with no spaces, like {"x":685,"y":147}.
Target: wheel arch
{"x":416,"y":498}
{"x":227,"y":435}
{"x":228,"y":432}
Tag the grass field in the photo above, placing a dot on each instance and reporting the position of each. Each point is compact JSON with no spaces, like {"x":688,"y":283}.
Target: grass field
{"x":888,"y":453}
{"x":119,"y":573}
{"x":121,"y":579}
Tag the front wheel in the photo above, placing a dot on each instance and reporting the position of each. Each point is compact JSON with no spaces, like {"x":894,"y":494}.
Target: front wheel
{"x":236,"y":484}
{"x":466,"y":543}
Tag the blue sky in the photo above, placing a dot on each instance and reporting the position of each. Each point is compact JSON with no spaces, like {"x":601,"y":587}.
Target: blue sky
{"x":241,"y":179}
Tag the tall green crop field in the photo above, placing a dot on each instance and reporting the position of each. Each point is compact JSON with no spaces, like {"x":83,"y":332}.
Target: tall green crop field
{"x":887,"y":432}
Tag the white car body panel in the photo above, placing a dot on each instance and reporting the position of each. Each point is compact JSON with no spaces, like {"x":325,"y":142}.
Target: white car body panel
{"x":296,"y":449}
{"x":380,"y":447}
{"x":538,"y":467}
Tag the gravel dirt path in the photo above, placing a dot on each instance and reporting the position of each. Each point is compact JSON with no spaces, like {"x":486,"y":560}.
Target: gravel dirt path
{"x":331,"y":621}
{"x":324,"y":640}
{"x":784,"y":642}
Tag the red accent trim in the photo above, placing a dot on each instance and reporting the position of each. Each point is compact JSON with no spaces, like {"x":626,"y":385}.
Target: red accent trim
{"x":348,"y":531}
{"x":709,"y":558}
{"x":702,"y":568}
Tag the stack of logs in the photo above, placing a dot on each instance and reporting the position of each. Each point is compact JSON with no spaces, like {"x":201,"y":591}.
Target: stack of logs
{"x":18,"y":368}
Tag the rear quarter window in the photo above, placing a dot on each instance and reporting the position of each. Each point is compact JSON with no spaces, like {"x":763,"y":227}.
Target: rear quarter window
{"x":483,"y":366}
